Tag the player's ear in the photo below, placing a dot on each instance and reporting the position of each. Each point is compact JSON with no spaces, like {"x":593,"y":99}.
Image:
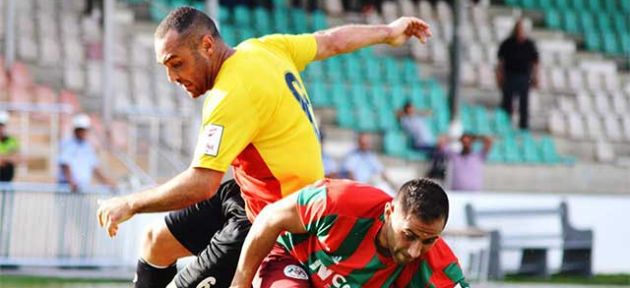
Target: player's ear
{"x":207,"y":44}
{"x":389,"y":209}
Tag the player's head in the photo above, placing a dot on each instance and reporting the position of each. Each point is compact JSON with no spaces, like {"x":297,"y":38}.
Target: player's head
{"x":408,"y":109}
{"x":518,"y":31}
{"x":414,"y":220}
{"x":81,"y":123}
{"x":467,"y":140}
{"x":364,"y":142}
{"x":188,"y":44}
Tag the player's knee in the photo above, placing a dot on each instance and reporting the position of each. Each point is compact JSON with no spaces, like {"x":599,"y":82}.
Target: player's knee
{"x":152,"y":240}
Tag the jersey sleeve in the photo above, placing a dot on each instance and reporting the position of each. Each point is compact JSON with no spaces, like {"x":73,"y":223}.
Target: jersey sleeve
{"x":229,"y":125}
{"x":314,"y":209}
{"x":302,"y":48}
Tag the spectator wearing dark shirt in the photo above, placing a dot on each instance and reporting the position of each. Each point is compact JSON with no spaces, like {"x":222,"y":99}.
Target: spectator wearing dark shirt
{"x":517,"y":71}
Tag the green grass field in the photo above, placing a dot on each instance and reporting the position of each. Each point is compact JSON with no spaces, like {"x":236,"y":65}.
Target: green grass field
{"x":44,"y":282}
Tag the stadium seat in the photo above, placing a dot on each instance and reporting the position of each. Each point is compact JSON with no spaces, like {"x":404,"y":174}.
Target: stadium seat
{"x":262,"y":20}
{"x":392,"y":74}
{"x":334,"y":70}
{"x":410,"y":71}
{"x":529,"y":149}
{"x":496,"y":152}
{"x":419,"y":96}
{"x":358,"y":96}
{"x":552,"y":18}
{"x":512,"y":154}
{"x":593,"y":42}
{"x":280,"y":20}
{"x":378,"y":98}
{"x":373,"y":70}
{"x":557,"y":125}
{"x":548,"y":150}
{"x":482,"y":123}
{"x":352,"y":67}
{"x":315,"y":71}
{"x":604,"y":152}
{"x":398,"y":96}
{"x":318,"y":20}
{"x":610,"y":43}
{"x":387,"y":119}
{"x":626,"y":126}
{"x":299,"y":21}
{"x":345,"y":117}
{"x":594,"y":127}
{"x":340,"y":97}
{"x":570,"y":23}
{"x":365,"y":120}
{"x":501,"y":123}
{"x":612,"y":128}
{"x":318,"y":94}
{"x":576,"y":126}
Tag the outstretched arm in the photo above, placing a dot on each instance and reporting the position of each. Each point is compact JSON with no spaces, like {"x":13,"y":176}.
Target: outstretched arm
{"x":185,"y":189}
{"x":348,"y":38}
{"x":274,"y":219}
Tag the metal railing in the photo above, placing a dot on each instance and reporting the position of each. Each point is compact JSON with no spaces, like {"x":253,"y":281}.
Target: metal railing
{"x":46,"y":225}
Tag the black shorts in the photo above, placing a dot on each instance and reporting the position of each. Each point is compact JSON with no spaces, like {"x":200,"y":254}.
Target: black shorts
{"x":214,"y":230}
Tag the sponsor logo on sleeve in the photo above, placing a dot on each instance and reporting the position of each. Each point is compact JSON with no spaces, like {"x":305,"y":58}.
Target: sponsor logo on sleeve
{"x":295,"y":272}
{"x":213,"y":134}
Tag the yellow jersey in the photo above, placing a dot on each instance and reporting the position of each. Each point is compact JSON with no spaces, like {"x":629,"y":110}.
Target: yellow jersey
{"x":258,"y":118}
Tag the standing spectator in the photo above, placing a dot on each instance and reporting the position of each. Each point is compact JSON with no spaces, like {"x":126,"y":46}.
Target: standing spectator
{"x":9,"y":148}
{"x":78,"y":161}
{"x":363,"y":166}
{"x":466,"y":167}
{"x":517,"y":71}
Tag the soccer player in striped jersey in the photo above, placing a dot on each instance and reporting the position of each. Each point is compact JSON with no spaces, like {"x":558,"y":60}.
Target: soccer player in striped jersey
{"x":347,"y":234}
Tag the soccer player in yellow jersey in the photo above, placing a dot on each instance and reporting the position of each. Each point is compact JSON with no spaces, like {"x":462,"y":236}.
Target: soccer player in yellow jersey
{"x":257,"y":117}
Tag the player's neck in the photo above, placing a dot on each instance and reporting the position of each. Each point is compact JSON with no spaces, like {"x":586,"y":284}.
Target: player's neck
{"x":381,"y":242}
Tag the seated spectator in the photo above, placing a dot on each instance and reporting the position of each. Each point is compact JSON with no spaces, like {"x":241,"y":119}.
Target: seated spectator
{"x":78,"y":161}
{"x":416,"y":125}
{"x":466,"y":167}
{"x":362,"y":165}
{"x":9,"y":148}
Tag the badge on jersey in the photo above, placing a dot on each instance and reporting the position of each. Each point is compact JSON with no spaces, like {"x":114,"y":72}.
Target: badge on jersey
{"x":213,"y":134}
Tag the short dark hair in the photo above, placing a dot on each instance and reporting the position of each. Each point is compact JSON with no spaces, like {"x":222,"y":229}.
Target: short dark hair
{"x":425,"y":199}
{"x":187,"y":22}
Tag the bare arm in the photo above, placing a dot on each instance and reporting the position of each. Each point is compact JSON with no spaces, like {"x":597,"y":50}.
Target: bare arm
{"x":348,"y":38}
{"x":185,"y":189}
{"x":487,"y":144}
{"x":67,"y":174}
{"x":499,"y":74}
{"x":274,"y":219}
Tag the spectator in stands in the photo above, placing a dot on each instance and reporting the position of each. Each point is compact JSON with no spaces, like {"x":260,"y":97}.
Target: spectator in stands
{"x":9,"y":148}
{"x":517,"y":71}
{"x":362,"y":165}
{"x":78,"y":161}
{"x":416,"y":125}
{"x":466,"y":167}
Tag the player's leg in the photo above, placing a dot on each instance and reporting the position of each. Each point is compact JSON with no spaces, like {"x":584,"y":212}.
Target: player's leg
{"x":523,"y":105}
{"x":183,"y":233}
{"x":160,"y":251}
{"x":216,"y":264}
{"x":281,"y":270}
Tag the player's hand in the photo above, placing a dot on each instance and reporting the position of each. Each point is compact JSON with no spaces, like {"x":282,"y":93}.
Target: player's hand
{"x":112,"y":212}
{"x":406,"y":27}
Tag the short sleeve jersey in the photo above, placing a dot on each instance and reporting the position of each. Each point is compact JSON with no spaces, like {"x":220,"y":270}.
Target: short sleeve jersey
{"x":258,"y":118}
{"x":342,"y":219}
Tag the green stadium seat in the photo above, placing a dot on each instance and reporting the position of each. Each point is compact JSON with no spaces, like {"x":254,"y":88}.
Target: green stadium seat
{"x":624,"y":42}
{"x":158,"y":10}
{"x":373,"y":70}
{"x":529,"y":4}
{"x":387,"y":119}
{"x":610,"y":6}
{"x":501,"y":123}
{"x":545,"y":5}
{"x":594,"y":6}
{"x":578,"y":5}
{"x":246,"y":33}
{"x":548,"y":150}
{"x":512,"y":154}
{"x":262,"y":20}
{"x":299,"y":21}
{"x":410,"y":71}
{"x":529,"y":149}
{"x":512,"y":2}
{"x":496,"y":152}
{"x":603,"y":23}
{"x":339,"y":96}
{"x":358,"y":96}
{"x":587,"y":24}
{"x":481,"y":120}
{"x":392,"y":72}
{"x":318,"y":20}
{"x":610,"y":43}
{"x":315,"y":71}
{"x":465,"y":115}
{"x":562,"y":5}
{"x":281,"y":20}
{"x":366,"y":53}
{"x":552,"y":18}
{"x":620,"y":23}
{"x":352,"y":69}
{"x":229,"y":35}
{"x":570,"y":22}
{"x":224,"y":16}
{"x":365,"y":120}
{"x":625,"y":6}
{"x":345,"y":117}
{"x":334,"y":69}
{"x":378,"y":97}
{"x":318,"y":94}
{"x":395,"y":144}
{"x":419,"y":96}
{"x":398,"y":97}
{"x":242,"y":16}
{"x":593,"y":43}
